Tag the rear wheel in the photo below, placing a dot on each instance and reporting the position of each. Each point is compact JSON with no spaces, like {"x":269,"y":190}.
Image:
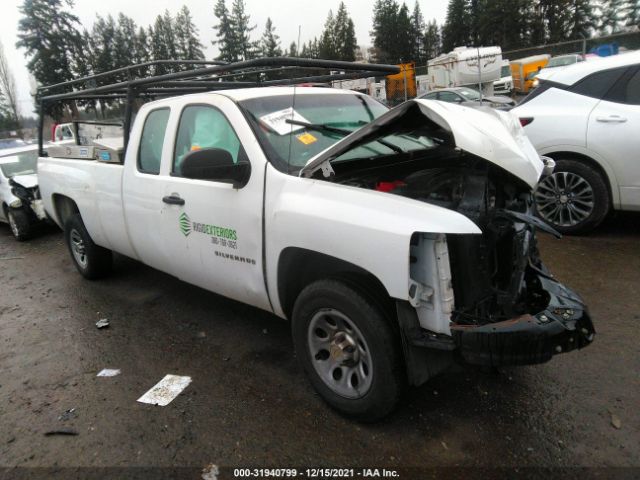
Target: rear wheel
{"x":91,"y":260}
{"x":348,"y":349}
{"x":19,"y":223}
{"x":574,"y":199}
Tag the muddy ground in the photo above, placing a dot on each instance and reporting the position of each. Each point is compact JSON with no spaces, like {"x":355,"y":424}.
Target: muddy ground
{"x":249,"y":403}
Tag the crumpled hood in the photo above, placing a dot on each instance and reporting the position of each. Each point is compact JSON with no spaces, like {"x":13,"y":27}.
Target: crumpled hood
{"x":493,"y":135}
{"x":27,"y":181}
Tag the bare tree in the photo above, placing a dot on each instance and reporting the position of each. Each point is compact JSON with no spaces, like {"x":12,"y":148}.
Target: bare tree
{"x":8,"y":85}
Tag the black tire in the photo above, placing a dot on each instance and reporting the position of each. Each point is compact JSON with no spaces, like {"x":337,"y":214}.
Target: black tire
{"x":601,"y":203}
{"x":94,"y":262}
{"x":20,"y":224}
{"x":387,"y":380}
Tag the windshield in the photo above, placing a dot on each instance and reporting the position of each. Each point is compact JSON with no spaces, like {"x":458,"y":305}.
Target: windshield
{"x":24,"y":163}
{"x":469,"y":93}
{"x":283,"y":141}
{"x":505,"y":72}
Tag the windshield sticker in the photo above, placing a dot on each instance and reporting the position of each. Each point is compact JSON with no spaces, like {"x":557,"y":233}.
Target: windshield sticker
{"x":277,"y":121}
{"x":306,"y":138}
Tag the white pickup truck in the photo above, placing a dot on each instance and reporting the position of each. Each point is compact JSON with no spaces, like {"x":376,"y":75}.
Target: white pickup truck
{"x":395,"y":242}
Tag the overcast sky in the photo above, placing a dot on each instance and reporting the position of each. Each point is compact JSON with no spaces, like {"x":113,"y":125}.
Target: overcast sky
{"x":286,"y":16}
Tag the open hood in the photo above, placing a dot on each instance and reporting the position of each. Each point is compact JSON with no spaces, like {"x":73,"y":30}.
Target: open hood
{"x":493,"y":135}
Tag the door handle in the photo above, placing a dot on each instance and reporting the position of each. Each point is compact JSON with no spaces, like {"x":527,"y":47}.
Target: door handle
{"x":611,"y":119}
{"x":173,"y":200}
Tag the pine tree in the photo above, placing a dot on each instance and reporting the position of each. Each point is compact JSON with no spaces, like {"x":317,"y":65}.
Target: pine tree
{"x":418,"y":34}
{"x":293,"y":50}
{"x":344,"y":35}
{"x":611,"y":17}
{"x":163,"y":42}
{"x":385,"y":33}
{"x":328,"y":41}
{"x":582,"y":19}
{"x":102,"y":51}
{"x":8,"y":101}
{"x":50,"y":36}
{"x":456,"y":30}
{"x":240,"y":21}
{"x":125,"y":32}
{"x":270,"y":42}
{"x":432,"y":41}
{"x":188,"y":44}
{"x":142,"y":50}
{"x":225,"y":34}
{"x":633,"y":13}
{"x":403,"y":38}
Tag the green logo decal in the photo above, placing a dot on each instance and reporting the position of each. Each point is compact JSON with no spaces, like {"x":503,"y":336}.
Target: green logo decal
{"x":185,"y":224}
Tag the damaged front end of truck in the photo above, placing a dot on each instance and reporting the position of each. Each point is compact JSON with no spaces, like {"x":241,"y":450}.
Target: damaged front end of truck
{"x":486,"y":298}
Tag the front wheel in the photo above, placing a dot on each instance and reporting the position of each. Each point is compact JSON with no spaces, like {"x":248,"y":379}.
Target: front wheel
{"x":348,"y":349}
{"x":91,"y":260}
{"x":20,"y":224}
{"x":574,"y":199}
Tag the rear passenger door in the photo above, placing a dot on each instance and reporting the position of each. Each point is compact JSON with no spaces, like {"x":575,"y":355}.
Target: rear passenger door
{"x":143,"y":188}
{"x":614,"y":133}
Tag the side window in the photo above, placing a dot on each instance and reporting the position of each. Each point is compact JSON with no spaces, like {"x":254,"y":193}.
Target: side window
{"x":201,"y":127}
{"x":633,"y":89}
{"x":598,"y":84}
{"x":627,"y":90}
{"x":150,"y":153}
{"x":449,"y":97}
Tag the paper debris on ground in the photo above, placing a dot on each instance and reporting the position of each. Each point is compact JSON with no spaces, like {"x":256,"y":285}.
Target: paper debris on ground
{"x":108,"y":372}
{"x":165,"y":390}
{"x":102,"y":323}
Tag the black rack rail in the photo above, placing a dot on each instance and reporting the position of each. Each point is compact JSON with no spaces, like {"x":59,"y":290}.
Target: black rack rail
{"x":197,"y":76}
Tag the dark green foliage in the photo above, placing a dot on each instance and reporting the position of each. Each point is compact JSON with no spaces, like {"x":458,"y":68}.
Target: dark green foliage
{"x":456,"y":31}
{"x":188,"y":44}
{"x":225,"y":34}
{"x":50,"y":37}
{"x":270,"y":42}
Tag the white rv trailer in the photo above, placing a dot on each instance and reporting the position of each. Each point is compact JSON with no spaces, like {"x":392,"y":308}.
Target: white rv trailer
{"x":464,"y":66}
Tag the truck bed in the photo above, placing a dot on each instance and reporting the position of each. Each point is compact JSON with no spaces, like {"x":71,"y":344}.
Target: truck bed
{"x":96,"y":188}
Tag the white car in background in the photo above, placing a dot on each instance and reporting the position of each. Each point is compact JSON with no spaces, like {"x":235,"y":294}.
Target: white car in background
{"x":20,"y":203}
{"x":587,"y":118}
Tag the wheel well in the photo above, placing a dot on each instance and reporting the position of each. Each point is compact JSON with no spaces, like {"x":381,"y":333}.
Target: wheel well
{"x":587,"y":160}
{"x":64,"y":207}
{"x":299,"y":267}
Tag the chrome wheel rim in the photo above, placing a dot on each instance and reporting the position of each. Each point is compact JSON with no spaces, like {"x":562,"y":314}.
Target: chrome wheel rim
{"x":564,"y":199}
{"x":13,"y":225}
{"x":340,"y":354}
{"x":78,"y":249}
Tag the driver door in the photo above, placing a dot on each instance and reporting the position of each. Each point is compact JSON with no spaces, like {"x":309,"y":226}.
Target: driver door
{"x":213,"y":231}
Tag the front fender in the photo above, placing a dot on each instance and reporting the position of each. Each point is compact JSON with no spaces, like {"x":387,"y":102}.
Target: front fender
{"x":366,"y":228}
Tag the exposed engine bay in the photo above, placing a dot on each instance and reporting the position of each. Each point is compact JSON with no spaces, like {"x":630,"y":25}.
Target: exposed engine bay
{"x":494,"y":275}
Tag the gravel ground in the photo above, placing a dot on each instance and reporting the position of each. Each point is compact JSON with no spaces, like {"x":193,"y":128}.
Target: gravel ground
{"x":249,"y":403}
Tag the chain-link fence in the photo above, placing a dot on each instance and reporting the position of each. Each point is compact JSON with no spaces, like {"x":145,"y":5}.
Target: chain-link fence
{"x":481,"y":73}
{"x":605,"y":45}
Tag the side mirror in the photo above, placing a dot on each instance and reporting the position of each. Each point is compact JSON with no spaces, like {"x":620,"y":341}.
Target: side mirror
{"x":215,"y":164}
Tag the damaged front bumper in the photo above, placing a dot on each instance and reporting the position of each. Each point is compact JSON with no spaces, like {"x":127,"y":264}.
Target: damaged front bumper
{"x":564,"y":325}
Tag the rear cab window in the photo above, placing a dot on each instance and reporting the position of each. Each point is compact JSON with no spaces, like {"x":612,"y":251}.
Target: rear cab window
{"x":152,"y":140}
